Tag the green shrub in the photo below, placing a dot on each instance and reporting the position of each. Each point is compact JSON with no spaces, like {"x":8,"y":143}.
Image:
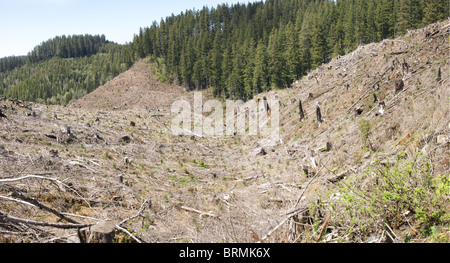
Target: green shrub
{"x":364,"y":128}
{"x":202,"y":164}
{"x":395,"y":194}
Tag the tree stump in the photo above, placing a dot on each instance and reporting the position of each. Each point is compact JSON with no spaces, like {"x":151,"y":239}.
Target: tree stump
{"x":102,"y":232}
{"x":399,"y":85}
{"x":297,"y":225}
{"x":375,"y":99}
{"x":2,"y":115}
{"x":125,"y":139}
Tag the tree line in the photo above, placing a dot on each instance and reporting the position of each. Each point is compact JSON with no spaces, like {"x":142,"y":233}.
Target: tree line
{"x":63,"y":69}
{"x":12,"y":62}
{"x":244,"y":49}
{"x":67,"y":47}
{"x":238,"y":50}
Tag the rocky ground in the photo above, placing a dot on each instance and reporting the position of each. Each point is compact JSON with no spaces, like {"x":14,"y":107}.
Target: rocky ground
{"x":111,"y":156}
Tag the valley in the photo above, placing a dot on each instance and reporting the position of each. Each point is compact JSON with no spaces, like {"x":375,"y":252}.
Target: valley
{"x":111,"y":156}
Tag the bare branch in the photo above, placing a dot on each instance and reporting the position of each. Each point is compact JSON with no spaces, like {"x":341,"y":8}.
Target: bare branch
{"x":198,"y":211}
{"x":143,"y":206}
{"x":128,"y":233}
{"x":11,"y":180}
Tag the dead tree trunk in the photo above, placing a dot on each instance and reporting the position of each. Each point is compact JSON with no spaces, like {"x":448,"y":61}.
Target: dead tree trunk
{"x":439,"y":75}
{"x":266,"y":105}
{"x":318,"y":114}
{"x":405,"y":68}
{"x":301,"y":112}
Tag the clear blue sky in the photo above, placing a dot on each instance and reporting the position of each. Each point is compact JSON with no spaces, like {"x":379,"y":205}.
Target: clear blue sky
{"x":26,"y":23}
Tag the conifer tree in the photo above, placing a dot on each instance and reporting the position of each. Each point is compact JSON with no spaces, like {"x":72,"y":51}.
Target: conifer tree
{"x":260,"y":73}
{"x":435,"y":10}
{"x":318,"y":42}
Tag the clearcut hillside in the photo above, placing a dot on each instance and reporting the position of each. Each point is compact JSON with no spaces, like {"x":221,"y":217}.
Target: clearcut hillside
{"x":367,"y":173}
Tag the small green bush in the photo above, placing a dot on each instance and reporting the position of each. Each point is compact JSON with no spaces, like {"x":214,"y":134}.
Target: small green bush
{"x":364,"y":128}
{"x":395,"y":194}
{"x":202,"y":164}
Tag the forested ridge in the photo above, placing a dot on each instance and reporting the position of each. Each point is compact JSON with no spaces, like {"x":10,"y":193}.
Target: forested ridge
{"x":63,"y":69}
{"x":242,"y":50}
{"x":12,"y":62}
{"x":68,"y":47}
{"x":238,"y":50}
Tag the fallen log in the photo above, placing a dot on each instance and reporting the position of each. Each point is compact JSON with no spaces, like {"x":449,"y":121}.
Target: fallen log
{"x":338,"y":177}
{"x":398,"y":52}
{"x":44,"y":207}
{"x":7,"y":218}
{"x":11,"y":180}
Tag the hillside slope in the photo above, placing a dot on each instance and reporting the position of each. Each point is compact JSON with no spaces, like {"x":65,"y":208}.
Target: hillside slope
{"x":358,"y":177}
{"x":135,"y":89}
{"x":63,"y":69}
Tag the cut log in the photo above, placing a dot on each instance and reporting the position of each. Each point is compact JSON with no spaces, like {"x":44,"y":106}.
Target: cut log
{"x":398,"y":52}
{"x":336,"y":178}
{"x":51,"y":136}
